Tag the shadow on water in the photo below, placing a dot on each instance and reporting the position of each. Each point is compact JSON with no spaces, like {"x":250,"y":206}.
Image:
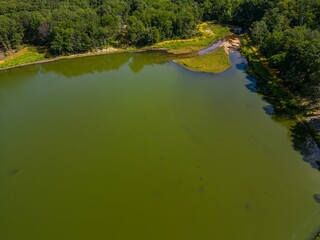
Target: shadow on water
{"x":268,"y":109}
{"x":140,"y":60}
{"x":14,"y":78}
{"x":302,"y":140}
{"x":252,"y":85}
{"x":87,"y":65}
{"x":305,"y":144}
{"x":97,"y":64}
{"x":240,"y":63}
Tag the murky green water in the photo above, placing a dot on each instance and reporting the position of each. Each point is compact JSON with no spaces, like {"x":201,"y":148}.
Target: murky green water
{"x":130,"y":146}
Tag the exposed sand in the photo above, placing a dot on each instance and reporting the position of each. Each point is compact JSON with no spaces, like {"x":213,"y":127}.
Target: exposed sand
{"x":231,"y":44}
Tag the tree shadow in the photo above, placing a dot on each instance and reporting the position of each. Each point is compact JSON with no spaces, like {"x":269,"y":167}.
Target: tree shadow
{"x":268,"y":109}
{"x":317,"y":198}
{"x":86,"y":65}
{"x":304,"y":143}
{"x":252,"y":85}
{"x":96,"y":64}
{"x":140,"y":60}
{"x":282,"y":108}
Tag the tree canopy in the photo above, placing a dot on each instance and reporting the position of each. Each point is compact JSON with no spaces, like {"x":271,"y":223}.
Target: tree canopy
{"x":74,"y":26}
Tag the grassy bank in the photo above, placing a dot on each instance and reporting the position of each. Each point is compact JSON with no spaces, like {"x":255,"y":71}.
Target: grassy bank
{"x":207,"y":34}
{"x":29,"y":55}
{"x":217,"y":61}
{"x":24,"y":55}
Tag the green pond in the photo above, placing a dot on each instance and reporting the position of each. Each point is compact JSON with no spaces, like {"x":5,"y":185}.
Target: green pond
{"x":133,"y":146}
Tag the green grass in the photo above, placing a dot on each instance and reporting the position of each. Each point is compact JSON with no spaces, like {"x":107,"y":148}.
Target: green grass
{"x":208,"y":33}
{"x":25,"y":55}
{"x":215,"y":62}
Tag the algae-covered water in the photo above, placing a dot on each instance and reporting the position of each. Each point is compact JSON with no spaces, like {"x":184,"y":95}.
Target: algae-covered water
{"x":132,"y":146}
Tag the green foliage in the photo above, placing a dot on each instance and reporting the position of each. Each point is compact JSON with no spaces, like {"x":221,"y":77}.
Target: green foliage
{"x":75,"y":26}
{"x":282,"y":100}
{"x":219,"y":10}
{"x":285,"y":36}
{"x":259,"y":32}
{"x":209,"y":33}
{"x":10,"y":33}
{"x":250,"y":11}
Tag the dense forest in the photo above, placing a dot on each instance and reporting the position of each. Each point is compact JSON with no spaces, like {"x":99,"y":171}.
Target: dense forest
{"x":285,"y":31}
{"x":288,"y":35}
{"x":77,"y":25}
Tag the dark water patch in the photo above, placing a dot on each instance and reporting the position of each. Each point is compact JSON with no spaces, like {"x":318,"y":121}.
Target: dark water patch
{"x":247,"y":206}
{"x":317,"y":198}
{"x":87,"y":65}
{"x":316,"y":235}
{"x":252,"y":85}
{"x":238,"y":61}
{"x":90,"y":65}
{"x":14,"y":172}
{"x":268,"y":109}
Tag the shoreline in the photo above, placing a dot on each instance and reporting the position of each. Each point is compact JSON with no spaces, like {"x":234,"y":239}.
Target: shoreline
{"x":72,"y":56}
{"x":197,"y":71}
{"x":221,"y":49}
{"x":208,"y":31}
{"x":278,"y":95}
{"x":225,"y":44}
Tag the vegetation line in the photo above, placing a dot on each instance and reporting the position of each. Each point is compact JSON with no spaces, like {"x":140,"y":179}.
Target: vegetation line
{"x":73,"y":56}
{"x":270,"y":85}
{"x":209,"y":33}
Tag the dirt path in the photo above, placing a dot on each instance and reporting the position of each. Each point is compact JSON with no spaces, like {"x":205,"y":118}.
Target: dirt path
{"x":229,"y":43}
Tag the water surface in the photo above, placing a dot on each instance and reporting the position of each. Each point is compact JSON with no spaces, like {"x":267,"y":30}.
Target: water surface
{"x":132,"y":146}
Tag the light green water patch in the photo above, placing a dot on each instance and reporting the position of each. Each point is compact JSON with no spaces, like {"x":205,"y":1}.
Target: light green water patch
{"x":132,"y":147}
